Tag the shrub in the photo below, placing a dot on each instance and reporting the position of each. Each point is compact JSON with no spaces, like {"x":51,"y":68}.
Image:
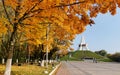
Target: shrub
{"x":115,"y":57}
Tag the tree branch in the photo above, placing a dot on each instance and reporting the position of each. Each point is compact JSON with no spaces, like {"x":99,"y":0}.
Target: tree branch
{"x":6,"y":12}
{"x":63,"y":5}
{"x":28,"y":11}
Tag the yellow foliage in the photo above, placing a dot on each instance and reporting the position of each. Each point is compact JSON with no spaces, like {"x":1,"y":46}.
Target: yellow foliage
{"x":66,"y":18}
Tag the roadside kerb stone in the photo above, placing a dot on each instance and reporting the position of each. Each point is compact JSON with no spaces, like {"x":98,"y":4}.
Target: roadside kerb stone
{"x":55,"y":69}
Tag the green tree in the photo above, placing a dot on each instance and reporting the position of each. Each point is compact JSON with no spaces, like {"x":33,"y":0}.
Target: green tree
{"x":101,"y":52}
{"x":114,"y":57}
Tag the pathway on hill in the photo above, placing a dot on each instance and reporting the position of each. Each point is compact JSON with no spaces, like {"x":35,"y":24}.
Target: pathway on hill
{"x":87,"y":68}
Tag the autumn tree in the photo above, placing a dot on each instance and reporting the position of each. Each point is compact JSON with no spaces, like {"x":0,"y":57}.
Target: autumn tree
{"x":67,"y":17}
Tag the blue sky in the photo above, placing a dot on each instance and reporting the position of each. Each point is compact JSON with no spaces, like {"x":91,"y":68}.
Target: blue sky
{"x":104,"y":34}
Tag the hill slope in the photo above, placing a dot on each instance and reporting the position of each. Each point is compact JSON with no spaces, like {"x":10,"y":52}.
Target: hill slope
{"x":78,"y":55}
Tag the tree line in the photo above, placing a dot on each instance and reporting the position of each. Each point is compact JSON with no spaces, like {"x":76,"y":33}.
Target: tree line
{"x":24,"y":54}
{"x":114,"y":57}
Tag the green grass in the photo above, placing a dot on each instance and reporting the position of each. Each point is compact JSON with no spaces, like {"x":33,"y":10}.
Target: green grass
{"x":106,"y":60}
{"x":78,"y":55}
{"x":89,"y":54}
{"x":26,"y":70}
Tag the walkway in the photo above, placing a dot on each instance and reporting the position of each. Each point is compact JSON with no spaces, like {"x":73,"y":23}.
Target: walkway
{"x":85,"y":68}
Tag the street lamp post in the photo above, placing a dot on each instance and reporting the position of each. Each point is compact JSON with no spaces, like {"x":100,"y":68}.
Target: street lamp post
{"x":47,"y":38}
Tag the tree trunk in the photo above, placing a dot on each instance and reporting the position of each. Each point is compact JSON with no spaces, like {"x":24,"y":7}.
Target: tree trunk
{"x":16,"y":61}
{"x":9,"y":63}
{"x":42,"y":63}
{"x":3,"y":61}
{"x":8,"y":67}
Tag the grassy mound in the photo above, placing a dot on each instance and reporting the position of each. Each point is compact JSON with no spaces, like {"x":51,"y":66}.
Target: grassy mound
{"x":79,"y":55}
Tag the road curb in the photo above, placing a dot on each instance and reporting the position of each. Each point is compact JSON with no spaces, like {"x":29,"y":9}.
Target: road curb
{"x":55,"y":69}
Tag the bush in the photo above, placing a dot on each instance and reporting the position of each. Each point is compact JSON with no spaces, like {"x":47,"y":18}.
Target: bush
{"x":115,"y":57}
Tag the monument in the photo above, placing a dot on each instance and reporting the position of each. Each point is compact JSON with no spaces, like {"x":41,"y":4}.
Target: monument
{"x":83,"y":45}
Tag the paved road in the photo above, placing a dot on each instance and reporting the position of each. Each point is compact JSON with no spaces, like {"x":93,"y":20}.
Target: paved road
{"x":87,"y":68}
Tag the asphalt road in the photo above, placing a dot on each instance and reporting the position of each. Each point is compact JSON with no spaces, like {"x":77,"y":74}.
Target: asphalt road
{"x":88,"y":68}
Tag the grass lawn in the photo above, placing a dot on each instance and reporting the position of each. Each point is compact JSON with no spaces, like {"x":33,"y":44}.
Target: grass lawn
{"x":78,"y":55}
{"x":26,"y":70}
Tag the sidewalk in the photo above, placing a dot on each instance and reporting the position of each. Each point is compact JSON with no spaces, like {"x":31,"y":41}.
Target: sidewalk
{"x":62,"y":70}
